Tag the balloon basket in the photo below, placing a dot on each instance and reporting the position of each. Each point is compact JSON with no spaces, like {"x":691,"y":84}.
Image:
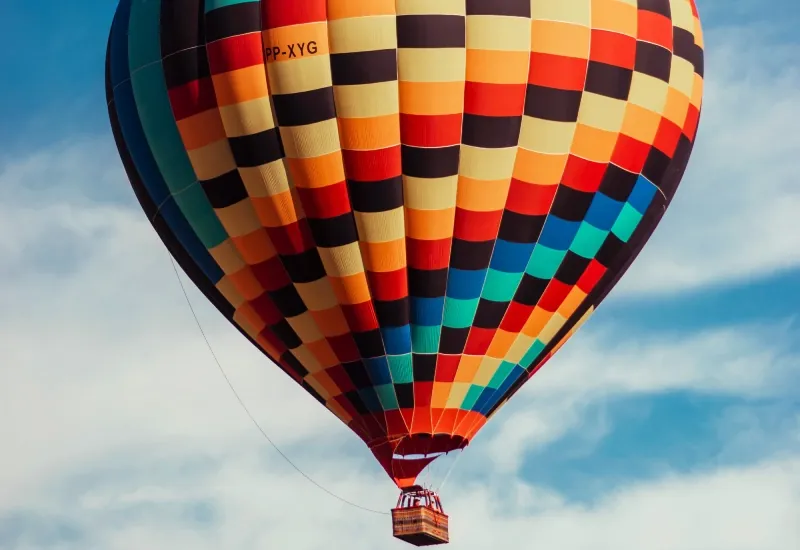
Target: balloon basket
{"x":419,"y":518}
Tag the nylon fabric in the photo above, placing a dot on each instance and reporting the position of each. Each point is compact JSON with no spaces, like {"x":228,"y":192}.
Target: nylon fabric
{"x":409,"y":206}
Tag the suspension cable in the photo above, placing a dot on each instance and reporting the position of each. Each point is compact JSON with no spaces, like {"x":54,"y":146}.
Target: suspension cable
{"x":247,"y":410}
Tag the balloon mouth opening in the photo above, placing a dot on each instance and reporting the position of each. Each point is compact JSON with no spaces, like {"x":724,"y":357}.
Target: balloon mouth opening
{"x":419,"y":445}
{"x":411,"y":457}
{"x":405,"y":457}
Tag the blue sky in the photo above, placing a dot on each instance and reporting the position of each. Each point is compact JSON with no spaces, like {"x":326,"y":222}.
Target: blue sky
{"x":684,"y":388}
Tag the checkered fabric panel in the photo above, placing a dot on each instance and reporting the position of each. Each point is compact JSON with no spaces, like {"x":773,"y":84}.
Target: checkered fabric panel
{"x":408,"y":205}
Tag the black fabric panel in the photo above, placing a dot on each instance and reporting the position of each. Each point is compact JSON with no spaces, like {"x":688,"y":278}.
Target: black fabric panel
{"x":618,"y":183}
{"x":233,"y":20}
{"x":471,"y":255}
{"x":656,"y":166}
{"x":182,"y":25}
{"x":653,"y":60}
{"x":520,"y":228}
{"x":530,"y":290}
{"x":570,"y":204}
{"x":182,"y":37}
{"x":286,"y":334}
{"x":608,"y":80}
{"x":358,"y":404}
{"x":305,"y":267}
{"x":571,"y":268}
{"x":185,"y":66}
{"x":423,"y":162}
{"x":257,"y":149}
{"x":392,"y":313}
{"x":405,"y":395}
{"x":660,"y":7}
{"x":288,"y":301}
{"x":516,"y":8}
{"x":698,"y":60}
{"x":370,"y":344}
{"x":294,"y":364}
{"x":680,"y":161}
{"x":682,"y":43}
{"x":424,"y":366}
{"x":333,"y":232}
{"x":303,"y":108}
{"x":453,"y":340}
{"x":552,"y":104}
{"x":376,"y":196}
{"x":431,"y":31}
{"x":427,"y":283}
{"x":609,"y":250}
{"x":357,"y":372}
{"x":489,"y":313}
{"x":491,"y":132}
{"x":225,"y":190}
{"x":364,"y":67}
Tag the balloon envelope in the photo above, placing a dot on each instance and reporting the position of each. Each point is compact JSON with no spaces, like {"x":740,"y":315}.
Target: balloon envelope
{"x":408,"y":205}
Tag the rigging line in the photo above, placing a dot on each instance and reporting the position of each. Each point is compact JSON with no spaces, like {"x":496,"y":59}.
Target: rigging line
{"x":450,"y":470}
{"x":247,"y":410}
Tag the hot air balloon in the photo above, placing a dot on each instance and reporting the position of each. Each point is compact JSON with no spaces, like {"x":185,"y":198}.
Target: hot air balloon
{"x":407,"y":205}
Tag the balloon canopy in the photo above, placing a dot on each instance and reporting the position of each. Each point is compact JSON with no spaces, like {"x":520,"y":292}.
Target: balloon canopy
{"x":408,"y":205}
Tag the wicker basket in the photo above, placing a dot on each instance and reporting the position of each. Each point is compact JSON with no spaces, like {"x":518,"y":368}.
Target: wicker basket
{"x":420,"y":526}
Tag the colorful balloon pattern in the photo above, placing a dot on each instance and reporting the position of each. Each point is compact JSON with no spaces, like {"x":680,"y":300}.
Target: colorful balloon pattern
{"x":408,"y":205}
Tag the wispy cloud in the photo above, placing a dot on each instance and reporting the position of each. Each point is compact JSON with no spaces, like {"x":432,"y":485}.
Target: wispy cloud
{"x":601,"y":366}
{"x":242,"y":501}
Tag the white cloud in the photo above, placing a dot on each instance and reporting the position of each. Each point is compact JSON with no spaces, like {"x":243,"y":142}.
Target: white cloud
{"x":744,"y":360}
{"x":242,"y":501}
{"x":731,"y":509}
{"x":760,"y":429}
{"x":598,"y":366}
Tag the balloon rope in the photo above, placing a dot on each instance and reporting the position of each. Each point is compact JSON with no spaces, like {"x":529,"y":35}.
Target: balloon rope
{"x":247,"y":411}
{"x":450,"y":470}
